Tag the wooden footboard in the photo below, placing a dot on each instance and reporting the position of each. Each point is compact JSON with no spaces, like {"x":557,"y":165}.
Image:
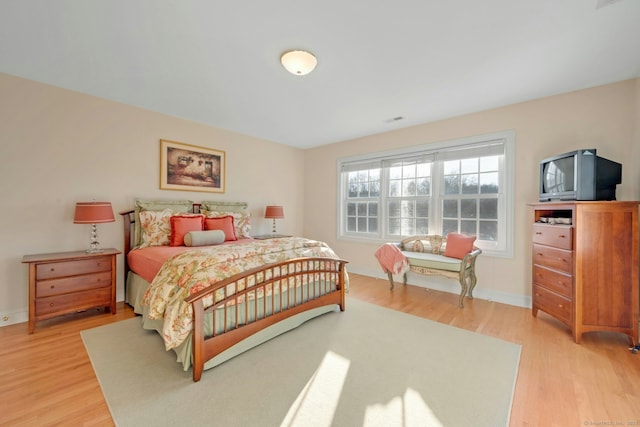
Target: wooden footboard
{"x":294,"y":286}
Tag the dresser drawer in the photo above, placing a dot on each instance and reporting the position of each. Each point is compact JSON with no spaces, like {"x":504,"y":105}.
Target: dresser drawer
{"x":558,"y":259}
{"x":559,"y":236}
{"x":556,"y":281}
{"x":66,"y":285}
{"x":67,"y":303}
{"x":552,"y":303}
{"x":54,"y":270}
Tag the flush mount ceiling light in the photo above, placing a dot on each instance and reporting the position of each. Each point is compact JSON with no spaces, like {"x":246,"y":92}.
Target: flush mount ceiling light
{"x":298,"y":62}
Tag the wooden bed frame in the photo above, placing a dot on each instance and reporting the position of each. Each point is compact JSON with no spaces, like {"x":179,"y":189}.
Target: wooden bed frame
{"x":326,"y":274}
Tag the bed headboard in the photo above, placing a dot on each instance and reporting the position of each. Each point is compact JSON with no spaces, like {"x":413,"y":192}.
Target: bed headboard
{"x":131,"y":218}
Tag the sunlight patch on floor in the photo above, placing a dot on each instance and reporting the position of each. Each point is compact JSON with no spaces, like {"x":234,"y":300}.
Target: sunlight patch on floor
{"x":317,"y":402}
{"x":406,"y":411}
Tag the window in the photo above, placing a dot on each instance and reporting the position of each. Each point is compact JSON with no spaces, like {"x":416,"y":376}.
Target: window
{"x":461,"y":186}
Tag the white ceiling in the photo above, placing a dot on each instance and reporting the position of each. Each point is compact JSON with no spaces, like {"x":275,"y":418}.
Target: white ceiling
{"x":217,"y":62}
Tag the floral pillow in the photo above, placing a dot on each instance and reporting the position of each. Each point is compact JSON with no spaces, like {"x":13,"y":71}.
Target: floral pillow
{"x":155,"y":227}
{"x":241,"y":222}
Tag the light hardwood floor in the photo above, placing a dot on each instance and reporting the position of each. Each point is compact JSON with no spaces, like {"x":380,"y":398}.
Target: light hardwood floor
{"x":47,"y":379}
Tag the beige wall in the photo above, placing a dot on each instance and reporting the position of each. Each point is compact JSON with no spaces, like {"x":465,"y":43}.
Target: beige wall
{"x":605,"y":118}
{"x":58,"y":147}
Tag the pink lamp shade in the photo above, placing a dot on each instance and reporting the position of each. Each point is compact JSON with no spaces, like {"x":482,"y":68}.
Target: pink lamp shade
{"x":93,"y":213}
{"x":275,"y":212}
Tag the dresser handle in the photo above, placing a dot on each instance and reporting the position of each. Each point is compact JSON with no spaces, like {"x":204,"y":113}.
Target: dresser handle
{"x":562,"y":236}
{"x":538,"y":233}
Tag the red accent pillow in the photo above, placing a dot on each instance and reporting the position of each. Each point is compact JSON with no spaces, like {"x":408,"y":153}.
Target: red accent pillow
{"x":224,"y":223}
{"x":458,"y":245}
{"x":181,"y":225}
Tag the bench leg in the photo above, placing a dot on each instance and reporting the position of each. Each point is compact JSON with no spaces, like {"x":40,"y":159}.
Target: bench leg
{"x":463,"y":292}
{"x":472,"y":282}
{"x":391,"y":283}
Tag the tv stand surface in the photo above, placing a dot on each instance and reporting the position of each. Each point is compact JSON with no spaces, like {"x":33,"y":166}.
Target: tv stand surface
{"x":585,"y":274}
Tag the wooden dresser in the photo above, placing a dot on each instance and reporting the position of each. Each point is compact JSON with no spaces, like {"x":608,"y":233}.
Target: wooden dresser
{"x":585,"y":265}
{"x":66,"y":282}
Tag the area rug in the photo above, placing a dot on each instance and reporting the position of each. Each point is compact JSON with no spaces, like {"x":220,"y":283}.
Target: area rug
{"x":366,"y":366}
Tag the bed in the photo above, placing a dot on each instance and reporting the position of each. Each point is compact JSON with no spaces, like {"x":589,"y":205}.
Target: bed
{"x":214,"y":292}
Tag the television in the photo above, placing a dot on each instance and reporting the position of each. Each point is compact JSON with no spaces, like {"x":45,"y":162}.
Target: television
{"x":579,"y":175}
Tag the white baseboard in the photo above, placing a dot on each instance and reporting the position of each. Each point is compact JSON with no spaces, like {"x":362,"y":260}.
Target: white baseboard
{"x":451,"y":286}
{"x":7,"y":318}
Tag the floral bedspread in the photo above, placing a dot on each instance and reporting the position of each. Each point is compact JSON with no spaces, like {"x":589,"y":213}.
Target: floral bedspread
{"x":192,"y":271}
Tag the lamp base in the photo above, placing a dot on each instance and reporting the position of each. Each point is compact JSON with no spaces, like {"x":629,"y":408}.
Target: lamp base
{"x":94,"y":245}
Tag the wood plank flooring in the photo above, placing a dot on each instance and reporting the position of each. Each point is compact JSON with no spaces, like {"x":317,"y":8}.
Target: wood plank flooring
{"x":47,"y":378}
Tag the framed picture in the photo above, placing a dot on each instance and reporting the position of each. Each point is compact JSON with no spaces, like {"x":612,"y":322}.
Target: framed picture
{"x":191,"y":168}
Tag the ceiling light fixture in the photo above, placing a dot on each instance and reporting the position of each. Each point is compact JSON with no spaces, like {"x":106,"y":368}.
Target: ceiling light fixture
{"x":298,"y":62}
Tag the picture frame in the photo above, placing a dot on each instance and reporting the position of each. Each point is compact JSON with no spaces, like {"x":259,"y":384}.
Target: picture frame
{"x":188,"y":167}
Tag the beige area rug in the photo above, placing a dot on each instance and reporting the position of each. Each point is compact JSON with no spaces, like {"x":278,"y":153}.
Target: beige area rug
{"x":367,"y":366}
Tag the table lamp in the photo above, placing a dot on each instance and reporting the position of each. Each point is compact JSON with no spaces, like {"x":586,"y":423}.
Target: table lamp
{"x":274,"y":212}
{"x":93,"y":213}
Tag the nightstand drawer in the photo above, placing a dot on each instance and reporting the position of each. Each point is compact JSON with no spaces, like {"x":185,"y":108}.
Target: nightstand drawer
{"x":54,"y":270}
{"x":56,"y":305}
{"x":554,"y":280}
{"x":559,"y":236}
{"x":552,"y":303}
{"x":65,"y":285}
{"x":558,"y":259}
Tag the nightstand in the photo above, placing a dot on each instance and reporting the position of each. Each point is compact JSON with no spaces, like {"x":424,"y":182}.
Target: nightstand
{"x":67,"y":282}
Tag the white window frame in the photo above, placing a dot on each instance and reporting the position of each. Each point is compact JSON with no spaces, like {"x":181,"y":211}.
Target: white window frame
{"x":502,"y":248}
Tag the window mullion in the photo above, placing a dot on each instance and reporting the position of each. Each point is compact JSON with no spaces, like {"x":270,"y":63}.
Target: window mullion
{"x":384,"y":199}
{"x":437,"y":189}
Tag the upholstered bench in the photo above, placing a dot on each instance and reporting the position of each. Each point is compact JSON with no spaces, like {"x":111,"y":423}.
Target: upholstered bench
{"x":428,"y":255}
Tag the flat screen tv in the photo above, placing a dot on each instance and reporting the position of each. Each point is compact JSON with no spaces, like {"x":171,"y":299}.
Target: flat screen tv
{"x":579,"y":175}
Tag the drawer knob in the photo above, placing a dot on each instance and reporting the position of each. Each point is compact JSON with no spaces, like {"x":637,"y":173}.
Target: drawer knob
{"x":51,"y":305}
{"x":53,"y":286}
{"x":52,"y":269}
{"x":560,"y":305}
